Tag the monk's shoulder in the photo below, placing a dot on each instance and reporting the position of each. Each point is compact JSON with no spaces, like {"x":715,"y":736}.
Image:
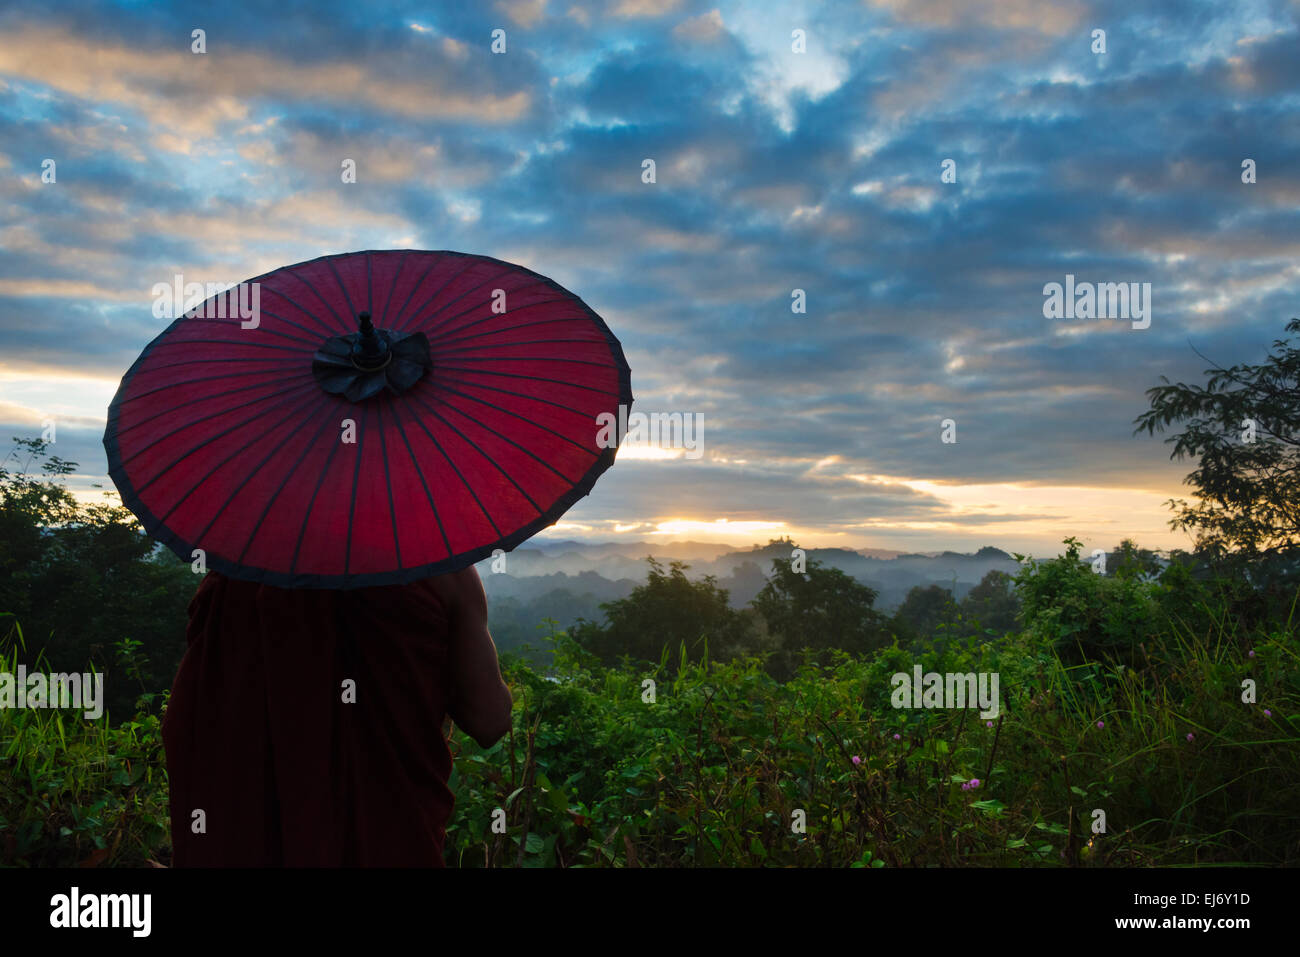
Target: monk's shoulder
{"x":457,"y":589}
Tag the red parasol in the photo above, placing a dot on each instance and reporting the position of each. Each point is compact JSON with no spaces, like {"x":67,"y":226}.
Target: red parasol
{"x":386,"y":416}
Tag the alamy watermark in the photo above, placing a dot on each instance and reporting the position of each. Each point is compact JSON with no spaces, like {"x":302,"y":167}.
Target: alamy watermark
{"x":59,"y":690}
{"x":75,"y":909}
{"x":662,"y":430}
{"x":1105,"y":300}
{"x":947,"y":690}
{"x":213,"y":300}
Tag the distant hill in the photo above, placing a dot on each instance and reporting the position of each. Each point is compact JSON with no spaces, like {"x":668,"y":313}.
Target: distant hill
{"x":567,"y":579}
{"x":596,"y":550}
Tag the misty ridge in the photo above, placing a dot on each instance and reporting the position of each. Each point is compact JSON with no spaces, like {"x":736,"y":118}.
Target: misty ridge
{"x":568,"y":580}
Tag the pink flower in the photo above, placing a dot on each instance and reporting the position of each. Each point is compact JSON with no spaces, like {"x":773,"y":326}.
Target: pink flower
{"x":988,"y":724}
{"x":856,"y":759}
{"x":973,"y":783}
{"x":1190,"y":736}
{"x":898,"y":737}
{"x":1100,"y":725}
{"x":1251,"y":653}
{"x":1267,"y":713}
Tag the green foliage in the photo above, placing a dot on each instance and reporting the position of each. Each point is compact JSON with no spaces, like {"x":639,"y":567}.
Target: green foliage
{"x":1130,"y":561}
{"x":991,"y":607}
{"x":77,"y":792}
{"x":712,"y":771}
{"x":794,"y":614}
{"x":81,"y":578}
{"x":1246,"y":486}
{"x":715,"y":763}
{"x":1082,"y":615}
{"x":819,"y":609}
{"x":684,"y":613}
{"x":926,"y":610}
{"x":929,"y":616}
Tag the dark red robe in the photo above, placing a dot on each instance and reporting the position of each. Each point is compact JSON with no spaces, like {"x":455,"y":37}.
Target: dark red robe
{"x":262,"y":738}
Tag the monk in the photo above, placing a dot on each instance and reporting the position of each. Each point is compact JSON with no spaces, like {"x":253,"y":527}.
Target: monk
{"x":306,"y":726}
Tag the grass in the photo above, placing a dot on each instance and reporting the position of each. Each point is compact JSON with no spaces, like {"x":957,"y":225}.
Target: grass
{"x":79,"y":793}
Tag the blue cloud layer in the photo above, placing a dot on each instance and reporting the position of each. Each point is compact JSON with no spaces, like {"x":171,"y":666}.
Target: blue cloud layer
{"x":776,"y":171}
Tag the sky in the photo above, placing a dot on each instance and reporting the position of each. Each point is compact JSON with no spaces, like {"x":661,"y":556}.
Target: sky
{"x":797,"y":146}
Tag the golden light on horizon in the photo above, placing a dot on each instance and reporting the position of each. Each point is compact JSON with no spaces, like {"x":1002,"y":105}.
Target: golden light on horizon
{"x":720,"y":526}
{"x":636,"y":451}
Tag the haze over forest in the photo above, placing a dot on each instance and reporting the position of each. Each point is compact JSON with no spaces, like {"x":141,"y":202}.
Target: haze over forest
{"x":567,"y":580}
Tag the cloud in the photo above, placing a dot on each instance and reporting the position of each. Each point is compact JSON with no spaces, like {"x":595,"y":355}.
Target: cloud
{"x":776,"y":172}
{"x":705,"y":28}
{"x":197,"y":95}
{"x":524,"y":13}
{"x":1032,"y":15}
{"x":644,"y":8}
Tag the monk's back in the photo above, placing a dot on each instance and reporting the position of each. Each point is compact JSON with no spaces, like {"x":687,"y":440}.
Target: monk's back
{"x":306,"y":727}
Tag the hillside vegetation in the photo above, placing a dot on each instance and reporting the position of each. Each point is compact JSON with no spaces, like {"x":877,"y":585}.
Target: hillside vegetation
{"x":1118,"y":695}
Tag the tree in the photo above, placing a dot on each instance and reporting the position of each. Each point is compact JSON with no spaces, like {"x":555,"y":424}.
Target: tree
{"x":925,"y":608}
{"x":668,"y":610}
{"x":821,"y":608}
{"x":1085,"y":616}
{"x":1127,"y":560}
{"x":81,"y":579}
{"x":1244,"y":427}
{"x":745,"y":582}
{"x":992,"y":604}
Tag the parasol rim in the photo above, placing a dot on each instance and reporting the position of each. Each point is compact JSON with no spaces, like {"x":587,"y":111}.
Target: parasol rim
{"x":184,"y":549}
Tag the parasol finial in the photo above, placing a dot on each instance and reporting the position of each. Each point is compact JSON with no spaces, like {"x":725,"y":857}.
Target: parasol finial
{"x":370,"y":351}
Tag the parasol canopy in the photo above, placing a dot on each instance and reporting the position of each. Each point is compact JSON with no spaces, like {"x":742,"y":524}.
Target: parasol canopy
{"x":383,"y":417}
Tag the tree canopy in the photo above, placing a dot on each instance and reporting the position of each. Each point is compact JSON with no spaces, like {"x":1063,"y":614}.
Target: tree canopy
{"x":1243,"y":427}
